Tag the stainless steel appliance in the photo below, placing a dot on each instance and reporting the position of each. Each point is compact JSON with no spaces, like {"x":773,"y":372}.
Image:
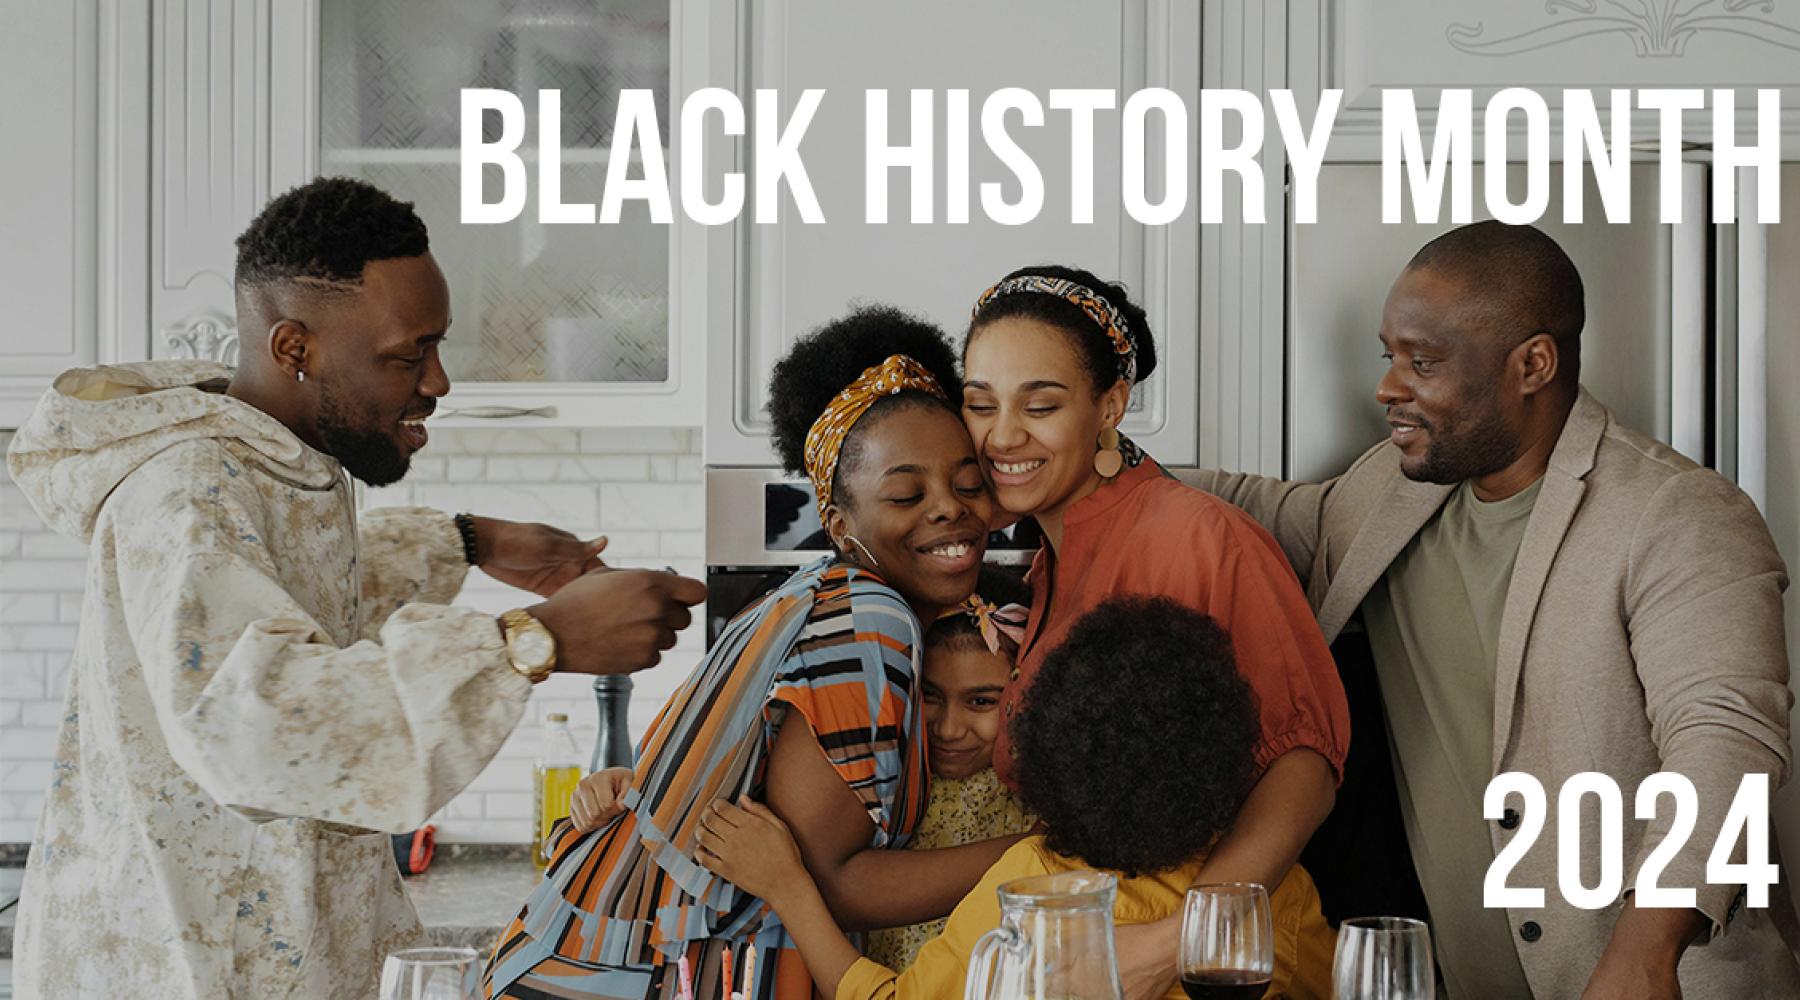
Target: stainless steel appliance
{"x":761,"y":524}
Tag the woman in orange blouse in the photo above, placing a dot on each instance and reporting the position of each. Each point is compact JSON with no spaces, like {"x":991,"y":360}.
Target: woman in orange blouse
{"x":1050,"y":361}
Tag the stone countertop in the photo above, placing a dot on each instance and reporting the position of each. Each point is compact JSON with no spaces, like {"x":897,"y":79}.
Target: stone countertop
{"x":470,"y":892}
{"x":465,"y":898}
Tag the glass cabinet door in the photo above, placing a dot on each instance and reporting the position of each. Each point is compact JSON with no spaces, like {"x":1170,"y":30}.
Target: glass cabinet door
{"x":530,"y":303}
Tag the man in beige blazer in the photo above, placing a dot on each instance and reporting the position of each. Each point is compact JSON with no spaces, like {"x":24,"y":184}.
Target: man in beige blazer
{"x":1550,"y":592}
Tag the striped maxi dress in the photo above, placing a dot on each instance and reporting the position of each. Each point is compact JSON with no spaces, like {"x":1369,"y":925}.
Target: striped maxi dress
{"x":619,"y":905}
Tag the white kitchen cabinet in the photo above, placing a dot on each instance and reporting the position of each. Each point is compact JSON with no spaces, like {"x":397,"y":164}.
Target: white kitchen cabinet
{"x":180,"y":119}
{"x":48,"y":55}
{"x":578,"y":318}
{"x":790,"y":277}
{"x":1365,"y":46}
{"x":225,"y":100}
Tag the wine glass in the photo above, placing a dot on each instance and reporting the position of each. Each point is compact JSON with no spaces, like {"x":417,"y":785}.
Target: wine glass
{"x":431,"y":974}
{"x":1383,"y":958}
{"x":1227,"y":942}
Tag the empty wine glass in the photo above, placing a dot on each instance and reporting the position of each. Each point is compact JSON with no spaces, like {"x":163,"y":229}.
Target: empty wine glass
{"x":1227,"y":942}
{"x":1383,"y":958}
{"x":431,"y":974}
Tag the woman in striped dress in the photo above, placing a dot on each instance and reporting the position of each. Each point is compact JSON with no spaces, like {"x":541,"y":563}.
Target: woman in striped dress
{"x":808,"y":702}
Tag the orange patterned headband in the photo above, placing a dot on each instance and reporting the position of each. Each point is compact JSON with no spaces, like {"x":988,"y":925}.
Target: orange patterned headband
{"x":1110,"y":321}
{"x":825,"y":439}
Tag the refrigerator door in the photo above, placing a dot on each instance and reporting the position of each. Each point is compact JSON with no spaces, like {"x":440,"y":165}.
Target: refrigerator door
{"x":1646,"y":296}
{"x":1764,"y":398}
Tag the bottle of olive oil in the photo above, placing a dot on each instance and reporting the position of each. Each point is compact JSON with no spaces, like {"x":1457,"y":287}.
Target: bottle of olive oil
{"x":554,"y":778}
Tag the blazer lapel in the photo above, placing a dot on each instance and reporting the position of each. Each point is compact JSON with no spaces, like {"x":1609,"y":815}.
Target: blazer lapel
{"x":1550,"y":517}
{"x":1564,"y":486}
{"x":1403,"y":509}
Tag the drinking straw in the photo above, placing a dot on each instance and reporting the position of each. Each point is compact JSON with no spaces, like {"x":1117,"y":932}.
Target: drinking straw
{"x":687,"y":979}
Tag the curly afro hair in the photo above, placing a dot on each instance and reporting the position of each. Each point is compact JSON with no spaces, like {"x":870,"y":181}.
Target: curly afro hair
{"x":1097,"y":356}
{"x":822,"y":363}
{"x":1135,"y":741}
{"x":959,"y":631}
{"x":328,"y":229}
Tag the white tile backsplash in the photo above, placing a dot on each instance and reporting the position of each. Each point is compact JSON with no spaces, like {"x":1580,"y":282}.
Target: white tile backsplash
{"x":571,"y":505}
{"x":639,"y":441}
{"x":37,"y":576}
{"x":641,"y":488}
{"x":28,"y":608}
{"x":666,"y":506}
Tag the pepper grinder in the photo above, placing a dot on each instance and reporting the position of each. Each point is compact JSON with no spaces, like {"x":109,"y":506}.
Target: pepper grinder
{"x":612,"y":742}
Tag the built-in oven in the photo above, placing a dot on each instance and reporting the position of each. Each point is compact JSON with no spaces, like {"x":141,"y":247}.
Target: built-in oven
{"x":760,"y":524}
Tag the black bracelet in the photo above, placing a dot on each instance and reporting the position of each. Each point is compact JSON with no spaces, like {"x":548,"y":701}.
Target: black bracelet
{"x":465,"y":526}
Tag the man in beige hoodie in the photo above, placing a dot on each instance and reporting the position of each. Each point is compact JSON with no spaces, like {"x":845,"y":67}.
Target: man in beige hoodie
{"x":265,"y":684}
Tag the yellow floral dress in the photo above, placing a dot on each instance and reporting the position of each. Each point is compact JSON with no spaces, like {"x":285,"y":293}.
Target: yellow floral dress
{"x":961,"y":811}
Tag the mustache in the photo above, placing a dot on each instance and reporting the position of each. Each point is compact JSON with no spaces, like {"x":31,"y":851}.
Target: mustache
{"x":420,"y":414}
{"x":1408,"y":418}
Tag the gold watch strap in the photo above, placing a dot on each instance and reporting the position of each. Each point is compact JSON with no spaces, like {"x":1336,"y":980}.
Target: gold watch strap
{"x":520,"y":620}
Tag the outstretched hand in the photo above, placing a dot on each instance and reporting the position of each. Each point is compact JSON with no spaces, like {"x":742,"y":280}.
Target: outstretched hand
{"x":534,"y":557}
{"x":618,"y":621}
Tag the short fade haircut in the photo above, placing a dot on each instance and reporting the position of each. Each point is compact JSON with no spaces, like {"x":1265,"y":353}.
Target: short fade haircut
{"x":1526,"y":275}
{"x":325,"y":232}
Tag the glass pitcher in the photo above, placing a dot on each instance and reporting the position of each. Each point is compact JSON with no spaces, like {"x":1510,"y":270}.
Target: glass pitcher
{"x":1054,"y":942}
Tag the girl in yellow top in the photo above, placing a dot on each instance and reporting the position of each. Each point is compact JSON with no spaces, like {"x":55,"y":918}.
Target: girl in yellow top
{"x":969,"y":660}
{"x":1095,"y":762}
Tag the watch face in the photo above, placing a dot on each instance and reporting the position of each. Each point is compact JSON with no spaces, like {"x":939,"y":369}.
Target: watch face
{"x":531,"y":647}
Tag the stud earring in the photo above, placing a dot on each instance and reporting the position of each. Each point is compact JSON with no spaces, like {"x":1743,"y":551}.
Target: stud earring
{"x":873,"y":562}
{"x":300,"y":376}
{"x":1108,"y":461}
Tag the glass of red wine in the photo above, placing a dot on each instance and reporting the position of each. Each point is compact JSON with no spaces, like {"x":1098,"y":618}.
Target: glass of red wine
{"x":1227,"y":942}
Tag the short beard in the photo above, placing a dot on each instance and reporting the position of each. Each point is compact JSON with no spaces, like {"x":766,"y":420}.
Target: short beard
{"x":1463,"y":451}
{"x":372,"y":456}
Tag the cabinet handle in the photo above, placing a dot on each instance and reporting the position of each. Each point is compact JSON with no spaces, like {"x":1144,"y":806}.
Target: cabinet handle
{"x":498,"y":412}
{"x":1688,"y":317}
{"x":1753,"y":345}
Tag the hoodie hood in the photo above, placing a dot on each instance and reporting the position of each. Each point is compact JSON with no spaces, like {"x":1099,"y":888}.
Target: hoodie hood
{"x":95,"y":426}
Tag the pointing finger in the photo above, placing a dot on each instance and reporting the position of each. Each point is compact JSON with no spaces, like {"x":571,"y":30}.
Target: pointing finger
{"x":686,"y":590}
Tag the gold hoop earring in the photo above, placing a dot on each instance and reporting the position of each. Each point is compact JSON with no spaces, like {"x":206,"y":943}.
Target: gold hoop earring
{"x":1108,"y":461}
{"x":873,"y":562}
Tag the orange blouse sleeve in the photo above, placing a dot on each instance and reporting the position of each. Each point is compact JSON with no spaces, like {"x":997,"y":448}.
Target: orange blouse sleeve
{"x":1234,"y":571}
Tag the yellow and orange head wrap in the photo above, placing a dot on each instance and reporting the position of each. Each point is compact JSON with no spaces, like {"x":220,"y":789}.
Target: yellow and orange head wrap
{"x":825,"y":439}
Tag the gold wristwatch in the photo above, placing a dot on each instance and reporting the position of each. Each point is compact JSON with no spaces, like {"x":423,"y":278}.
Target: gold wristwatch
{"x":529,"y":644}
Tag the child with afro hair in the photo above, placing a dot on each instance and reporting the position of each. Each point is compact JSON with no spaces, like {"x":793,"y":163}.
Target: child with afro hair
{"x":1113,"y":791}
